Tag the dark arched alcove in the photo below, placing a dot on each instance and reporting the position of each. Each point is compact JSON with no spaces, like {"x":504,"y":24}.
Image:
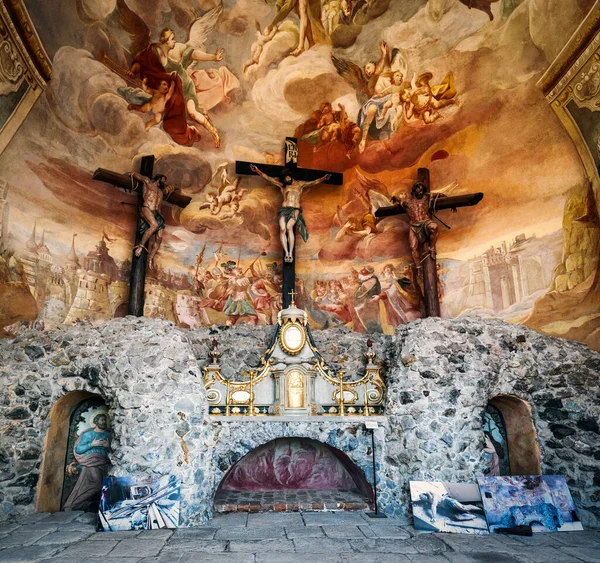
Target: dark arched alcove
{"x":67,"y":420}
{"x":293,"y":474}
{"x":521,"y":438}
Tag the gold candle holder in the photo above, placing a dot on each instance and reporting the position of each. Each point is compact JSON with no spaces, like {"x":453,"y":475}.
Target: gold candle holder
{"x":227,"y":413}
{"x":342,"y":409}
{"x":366,"y":408}
{"x":251,"y":402}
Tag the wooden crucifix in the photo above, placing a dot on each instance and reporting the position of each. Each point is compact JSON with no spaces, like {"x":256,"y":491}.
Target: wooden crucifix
{"x":291,"y":180}
{"x":140,"y":253}
{"x":420,"y":206}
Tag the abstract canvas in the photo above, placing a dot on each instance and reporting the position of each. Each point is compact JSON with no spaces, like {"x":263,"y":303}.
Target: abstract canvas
{"x":132,"y":503}
{"x":455,"y":508}
{"x":541,"y":501}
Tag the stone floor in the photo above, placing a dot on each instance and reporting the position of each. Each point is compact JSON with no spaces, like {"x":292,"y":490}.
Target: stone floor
{"x":290,"y":501}
{"x":326,"y":537}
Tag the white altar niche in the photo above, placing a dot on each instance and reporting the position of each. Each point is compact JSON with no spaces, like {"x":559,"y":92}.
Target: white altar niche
{"x":293,"y":379}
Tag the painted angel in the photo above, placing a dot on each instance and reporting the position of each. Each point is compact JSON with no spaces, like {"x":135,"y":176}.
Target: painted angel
{"x":262,"y":38}
{"x":227,"y":195}
{"x":425,"y":99}
{"x":374,"y":85}
{"x":169,"y":61}
{"x":373,"y":194}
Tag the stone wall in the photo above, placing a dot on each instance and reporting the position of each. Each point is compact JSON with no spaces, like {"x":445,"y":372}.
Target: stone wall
{"x":441,"y":374}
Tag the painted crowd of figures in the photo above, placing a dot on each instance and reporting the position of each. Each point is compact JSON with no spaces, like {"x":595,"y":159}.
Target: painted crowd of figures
{"x":362,"y":300}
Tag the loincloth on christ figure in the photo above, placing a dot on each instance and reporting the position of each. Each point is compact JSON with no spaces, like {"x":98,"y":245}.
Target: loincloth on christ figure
{"x":144,"y":225}
{"x":288,"y":213}
{"x":420,"y":229}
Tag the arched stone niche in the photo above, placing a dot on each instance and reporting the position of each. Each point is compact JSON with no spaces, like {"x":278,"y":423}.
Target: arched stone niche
{"x":52,"y":473}
{"x":348,"y":440}
{"x":296,"y":464}
{"x":523,"y":449}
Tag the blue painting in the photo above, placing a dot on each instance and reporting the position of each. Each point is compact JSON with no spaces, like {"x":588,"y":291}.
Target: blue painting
{"x":540,"y":501}
{"x":134,"y":503}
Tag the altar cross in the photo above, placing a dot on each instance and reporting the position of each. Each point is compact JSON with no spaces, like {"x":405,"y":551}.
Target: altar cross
{"x":290,"y":214}
{"x":138,"y":263}
{"x":420,"y":229}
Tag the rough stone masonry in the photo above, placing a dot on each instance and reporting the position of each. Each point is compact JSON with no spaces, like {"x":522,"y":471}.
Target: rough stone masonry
{"x":440,"y":375}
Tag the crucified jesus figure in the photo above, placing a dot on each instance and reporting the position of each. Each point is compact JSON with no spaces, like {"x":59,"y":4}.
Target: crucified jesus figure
{"x":152,"y":223}
{"x":290,"y":213}
{"x":423,"y":229}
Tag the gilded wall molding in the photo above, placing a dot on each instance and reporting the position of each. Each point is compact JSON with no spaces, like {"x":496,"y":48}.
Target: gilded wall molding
{"x":25,"y":68}
{"x":572,"y":51}
{"x":25,"y":32}
{"x":571,"y":86}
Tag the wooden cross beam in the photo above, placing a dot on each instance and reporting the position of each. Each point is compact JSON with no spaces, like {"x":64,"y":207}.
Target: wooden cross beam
{"x":423,"y":236}
{"x":290,"y":214}
{"x":138,"y":263}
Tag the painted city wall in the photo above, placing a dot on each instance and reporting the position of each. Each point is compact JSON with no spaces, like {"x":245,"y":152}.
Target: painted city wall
{"x":371,"y":88}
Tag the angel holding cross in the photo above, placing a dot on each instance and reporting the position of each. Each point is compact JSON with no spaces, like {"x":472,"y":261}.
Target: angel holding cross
{"x":290,"y":213}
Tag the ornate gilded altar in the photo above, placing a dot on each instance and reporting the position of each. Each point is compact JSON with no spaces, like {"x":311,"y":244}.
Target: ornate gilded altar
{"x":293,"y":379}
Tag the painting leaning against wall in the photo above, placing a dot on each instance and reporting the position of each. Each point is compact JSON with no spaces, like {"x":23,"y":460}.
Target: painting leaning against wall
{"x":374,"y":90}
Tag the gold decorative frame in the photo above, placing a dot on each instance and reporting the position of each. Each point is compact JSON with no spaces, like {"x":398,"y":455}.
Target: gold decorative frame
{"x":335,"y":396}
{"x":24,"y":61}
{"x":292,"y":351}
{"x":561,"y":84}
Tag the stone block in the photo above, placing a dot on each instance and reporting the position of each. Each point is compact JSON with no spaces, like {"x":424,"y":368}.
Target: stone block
{"x":229,"y":520}
{"x":91,"y":559}
{"x":423,"y":558}
{"x":541,"y":540}
{"x":275,"y":519}
{"x":63,"y":538}
{"x":491,"y":543}
{"x":161,"y":534}
{"x":261,"y":546}
{"x":24,"y":536}
{"x":385,"y":532}
{"x":486,"y":557}
{"x":111,"y":536}
{"x":303,"y":532}
{"x":353,"y":532}
{"x":589,"y":554}
{"x":332,"y":518}
{"x":214,"y":558}
{"x":299,"y":558}
{"x":190,"y":544}
{"x":250,"y":533}
{"x":375,"y":558}
{"x":89,"y":549}
{"x":72,"y":526}
{"x":584,"y":538}
{"x":545,"y":554}
{"x":382,"y":546}
{"x":203,"y":533}
{"x":139,"y":548}
{"x":322,"y":545}
{"x":87,"y":517}
{"x":27,"y":554}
